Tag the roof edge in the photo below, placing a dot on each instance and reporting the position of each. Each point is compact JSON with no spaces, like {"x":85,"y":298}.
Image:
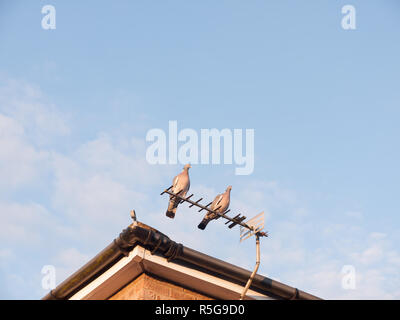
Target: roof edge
{"x":155,"y":241}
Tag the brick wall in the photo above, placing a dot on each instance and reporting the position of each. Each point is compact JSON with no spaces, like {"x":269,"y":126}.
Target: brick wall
{"x":147,"y":287}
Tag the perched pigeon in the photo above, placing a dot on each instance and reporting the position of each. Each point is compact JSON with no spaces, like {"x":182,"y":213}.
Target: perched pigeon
{"x":220,"y":205}
{"x":181,"y":185}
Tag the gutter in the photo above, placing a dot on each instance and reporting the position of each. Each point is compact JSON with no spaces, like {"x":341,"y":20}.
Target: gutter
{"x":157,"y":242}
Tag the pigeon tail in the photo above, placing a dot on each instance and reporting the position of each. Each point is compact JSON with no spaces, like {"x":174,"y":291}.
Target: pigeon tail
{"x":172,"y":206}
{"x":170,"y":214}
{"x":203,"y":224}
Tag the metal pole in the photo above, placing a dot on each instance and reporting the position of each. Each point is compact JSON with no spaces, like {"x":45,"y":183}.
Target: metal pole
{"x":255,"y":268}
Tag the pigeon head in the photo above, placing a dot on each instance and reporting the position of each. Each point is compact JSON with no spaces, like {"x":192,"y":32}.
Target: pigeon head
{"x":187,"y":166}
{"x":229,"y":188}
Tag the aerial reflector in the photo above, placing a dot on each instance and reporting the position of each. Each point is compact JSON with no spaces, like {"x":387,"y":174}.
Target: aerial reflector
{"x":256,"y":224}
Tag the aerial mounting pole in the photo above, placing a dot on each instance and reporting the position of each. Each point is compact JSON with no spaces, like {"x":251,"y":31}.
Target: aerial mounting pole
{"x":256,"y":226}
{"x":248,"y":284}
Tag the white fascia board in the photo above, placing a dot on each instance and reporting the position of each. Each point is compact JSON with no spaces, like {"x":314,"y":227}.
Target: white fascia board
{"x":141,"y":260}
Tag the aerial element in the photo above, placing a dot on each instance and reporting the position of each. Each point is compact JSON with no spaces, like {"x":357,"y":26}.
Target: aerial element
{"x":219,"y":208}
{"x":180,"y":185}
{"x":220,"y":205}
{"x":215,"y":209}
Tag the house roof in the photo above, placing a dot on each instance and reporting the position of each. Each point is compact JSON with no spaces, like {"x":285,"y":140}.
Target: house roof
{"x":140,"y":248}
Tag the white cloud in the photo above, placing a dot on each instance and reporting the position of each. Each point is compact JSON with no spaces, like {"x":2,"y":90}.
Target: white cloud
{"x":121,"y":159}
{"x":377,"y":235}
{"x":71,"y":257}
{"x":370,"y":255}
{"x":5,"y":255}
{"x":26,"y":104}
{"x":90,"y":197}
{"x":24,"y":224}
{"x":354,"y":214}
{"x":20,"y":162}
{"x":67,"y":261}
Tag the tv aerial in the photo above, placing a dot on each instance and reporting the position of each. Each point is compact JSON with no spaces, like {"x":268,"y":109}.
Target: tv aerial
{"x":252,"y":227}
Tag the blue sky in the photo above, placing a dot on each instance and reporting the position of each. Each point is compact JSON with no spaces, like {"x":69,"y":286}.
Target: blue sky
{"x":76,"y":104}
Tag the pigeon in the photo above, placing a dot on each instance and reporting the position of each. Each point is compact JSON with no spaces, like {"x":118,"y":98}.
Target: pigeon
{"x":220,"y":205}
{"x":181,"y":185}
